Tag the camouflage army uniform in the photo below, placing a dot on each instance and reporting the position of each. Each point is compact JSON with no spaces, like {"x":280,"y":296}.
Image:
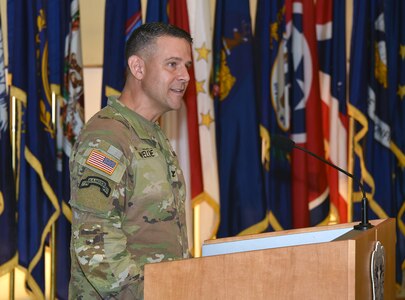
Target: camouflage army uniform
{"x":127,"y":197}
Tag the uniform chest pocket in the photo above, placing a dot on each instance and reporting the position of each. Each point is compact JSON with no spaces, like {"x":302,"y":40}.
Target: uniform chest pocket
{"x":151,"y":173}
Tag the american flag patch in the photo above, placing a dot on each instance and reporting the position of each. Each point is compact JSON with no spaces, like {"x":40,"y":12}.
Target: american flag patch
{"x":102,"y":162}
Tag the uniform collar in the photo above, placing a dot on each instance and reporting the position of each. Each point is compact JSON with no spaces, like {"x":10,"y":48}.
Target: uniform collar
{"x":145,"y":129}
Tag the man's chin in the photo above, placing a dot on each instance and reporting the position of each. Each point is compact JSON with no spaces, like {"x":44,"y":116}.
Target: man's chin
{"x":176,"y":105}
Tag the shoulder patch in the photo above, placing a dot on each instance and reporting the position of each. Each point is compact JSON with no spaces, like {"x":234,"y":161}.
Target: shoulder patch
{"x":102,"y":162}
{"x":97,"y":181}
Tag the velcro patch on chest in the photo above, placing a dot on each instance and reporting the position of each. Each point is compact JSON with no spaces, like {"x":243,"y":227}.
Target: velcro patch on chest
{"x":96,"y":181}
{"x":147,"y":153}
{"x":102,"y":162}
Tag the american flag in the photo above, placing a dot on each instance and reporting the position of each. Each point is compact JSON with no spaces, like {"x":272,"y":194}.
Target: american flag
{"x":101,"y":161}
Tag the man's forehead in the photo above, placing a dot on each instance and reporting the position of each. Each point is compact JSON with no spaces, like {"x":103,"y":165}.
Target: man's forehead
{"x":171,"y":39}
{"x":173,"y":46}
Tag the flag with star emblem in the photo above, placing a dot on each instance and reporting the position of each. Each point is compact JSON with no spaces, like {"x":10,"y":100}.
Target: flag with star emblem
{"x":122,"y":17}
{"x":310,"y":192}
{"x":178,"y":16}
{"x":208,"y":201}
{"x":38,"y":206}
{"x":8,"y":243}
{"x":243,"y":209}
{"x":330,"y":22}
{"x":181,"y":127}
{"x":270,"y":52}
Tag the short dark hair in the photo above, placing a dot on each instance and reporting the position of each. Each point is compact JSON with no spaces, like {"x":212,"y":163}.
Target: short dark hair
{"x":146,"y":35}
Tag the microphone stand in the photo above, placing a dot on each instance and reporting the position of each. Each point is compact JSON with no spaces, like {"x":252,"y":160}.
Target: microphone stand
{"x":364,"y":224}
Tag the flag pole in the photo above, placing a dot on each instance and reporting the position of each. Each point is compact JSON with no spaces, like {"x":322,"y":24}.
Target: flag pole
{"x":349,"y":24}
{"x":197,"y":238}
{"x":12,"y":285}
{"x":13,"y":159}
{"x":53,"y":261}
{"x":53,"y":227}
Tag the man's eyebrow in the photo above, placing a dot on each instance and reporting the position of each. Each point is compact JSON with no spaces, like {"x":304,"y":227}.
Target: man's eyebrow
{"x":173,"y":58}
{"x":188,"y":63}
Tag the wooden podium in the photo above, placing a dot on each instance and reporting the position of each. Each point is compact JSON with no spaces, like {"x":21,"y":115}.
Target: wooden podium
{"x":329,"y":262}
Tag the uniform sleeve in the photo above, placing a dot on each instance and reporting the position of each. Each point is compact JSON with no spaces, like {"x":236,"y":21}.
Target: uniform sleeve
{"x":98,"y":181}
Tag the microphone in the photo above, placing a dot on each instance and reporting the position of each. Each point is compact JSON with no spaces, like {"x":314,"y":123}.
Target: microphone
{"x":287,"y":145}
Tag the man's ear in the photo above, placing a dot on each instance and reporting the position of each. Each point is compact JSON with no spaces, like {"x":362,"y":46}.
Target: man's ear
{"x":136,"y":66}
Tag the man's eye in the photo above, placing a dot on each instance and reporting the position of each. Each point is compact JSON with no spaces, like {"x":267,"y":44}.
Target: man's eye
{"x":172,"y":64}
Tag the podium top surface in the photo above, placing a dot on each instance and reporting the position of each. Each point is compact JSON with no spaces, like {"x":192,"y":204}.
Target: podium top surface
{"x":286,"y":238}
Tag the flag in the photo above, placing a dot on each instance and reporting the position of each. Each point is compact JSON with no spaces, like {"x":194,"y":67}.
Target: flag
{"x":208,"y":201}
{"x":10,"y":32}
{"x":275,"y":115}
{"x":395,"y":35}
{"x":181,"y":127}
{"x":38,"y":206}
{"x":66,"y":79}
{"x":371,"y":129}
{"x":178,"y":16}
{"x":57,"y":27}
{"x":378,"y":147}
{"x":376,"y":108}
{"x":398,"y":142}
{"x":310,"y":193}
{"x":330,"y":28}
{"x":122,"y":17}
{"x":157,"y":11}
{"x":8,"y":242}
{"x":237,"y":127}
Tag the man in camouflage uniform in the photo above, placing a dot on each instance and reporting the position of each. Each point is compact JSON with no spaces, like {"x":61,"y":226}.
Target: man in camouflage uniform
{"x":127,"y":189}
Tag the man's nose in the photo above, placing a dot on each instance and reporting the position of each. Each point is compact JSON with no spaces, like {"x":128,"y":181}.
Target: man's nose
{"x":183,"y":74}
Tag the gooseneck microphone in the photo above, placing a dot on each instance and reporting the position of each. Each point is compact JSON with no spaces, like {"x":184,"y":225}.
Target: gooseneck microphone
{"x":285,"y":144}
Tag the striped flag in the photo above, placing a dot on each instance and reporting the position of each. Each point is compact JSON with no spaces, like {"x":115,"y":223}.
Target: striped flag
{"x":175,"y":123}
{"x":181,"y":127}
{"x":188,"y":141}
{"x":208,"y":201}
{"x":310,"y":192}
{"x":178,"y":16}
{"x":102,"y":162}
{"x":330,"y":29}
